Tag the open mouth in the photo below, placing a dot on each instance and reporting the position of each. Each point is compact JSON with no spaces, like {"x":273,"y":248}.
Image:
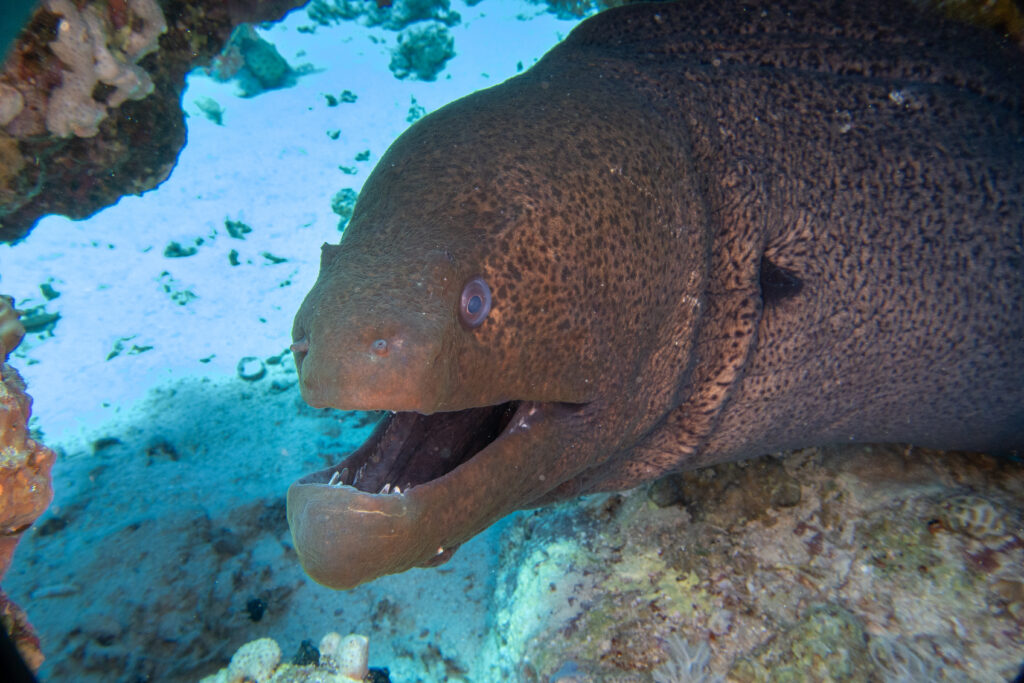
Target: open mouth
{"x":421,"y":485}
{"x":407,"y":449}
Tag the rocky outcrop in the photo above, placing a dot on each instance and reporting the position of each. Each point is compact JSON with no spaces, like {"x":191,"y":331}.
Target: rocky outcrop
{"x":89,"y":99}
{"x":25,"y":485}
{"x":858,"y":564}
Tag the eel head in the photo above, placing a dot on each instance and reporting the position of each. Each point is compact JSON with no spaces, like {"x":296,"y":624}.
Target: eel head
{"x":458,"y":447}
{"x":488,"y":295}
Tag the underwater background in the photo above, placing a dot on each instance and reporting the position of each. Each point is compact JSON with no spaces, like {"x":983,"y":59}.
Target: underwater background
{"x":157,"y":356}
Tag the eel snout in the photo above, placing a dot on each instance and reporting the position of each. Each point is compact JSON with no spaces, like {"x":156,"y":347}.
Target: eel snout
{"x":380,"y":362}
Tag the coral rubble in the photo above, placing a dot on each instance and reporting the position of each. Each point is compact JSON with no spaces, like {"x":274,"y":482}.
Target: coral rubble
{"x":422,"y":51}
{"x":25,"y":485}
{"x":859,"y":564}
{"x":343,"y":203}
{"x":393,"y":16}
{"x":423,"y":44}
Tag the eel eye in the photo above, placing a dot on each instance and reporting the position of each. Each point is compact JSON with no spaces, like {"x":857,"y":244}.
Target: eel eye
{"x":476,"y":303}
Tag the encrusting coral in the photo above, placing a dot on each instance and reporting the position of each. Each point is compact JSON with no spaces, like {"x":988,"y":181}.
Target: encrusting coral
{"x":90,"y":99}
{"x":853,"y":563}
{"x":97,"y":44}
{"x":25,"y":485}
{"x":340,"y":660}
{"x":96,"y":52}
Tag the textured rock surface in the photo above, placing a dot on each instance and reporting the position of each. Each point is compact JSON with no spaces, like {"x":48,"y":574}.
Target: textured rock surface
{"x":854,"y":564}
{"x":11,"y":329}
{"x":25,"y":464}
{"x":15,"y":622}
{"x":338,"y":660}
{"x":74,"y":139}
{"x":393,"y":16}
{"x":25,"y":485}
{"x":96,"y":51}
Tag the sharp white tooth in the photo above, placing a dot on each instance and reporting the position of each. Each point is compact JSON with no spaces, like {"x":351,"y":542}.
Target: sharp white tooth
{"x":397,"y":490}
{"x":335,"y":478}
{"x":386,"y":488}
{"x":344,"y":474}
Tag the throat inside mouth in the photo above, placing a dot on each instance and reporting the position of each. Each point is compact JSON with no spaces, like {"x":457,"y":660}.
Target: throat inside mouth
{"x":407,"y":449}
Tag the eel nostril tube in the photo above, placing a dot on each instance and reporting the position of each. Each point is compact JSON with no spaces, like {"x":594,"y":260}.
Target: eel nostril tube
{"x":380,"y":347}
{"x":301,"y":346}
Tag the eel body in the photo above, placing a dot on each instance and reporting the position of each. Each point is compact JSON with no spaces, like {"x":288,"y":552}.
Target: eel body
{"x":691,"y":233}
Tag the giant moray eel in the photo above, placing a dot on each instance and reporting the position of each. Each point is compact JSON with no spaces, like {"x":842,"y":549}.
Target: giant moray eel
{"x":692,"y":233}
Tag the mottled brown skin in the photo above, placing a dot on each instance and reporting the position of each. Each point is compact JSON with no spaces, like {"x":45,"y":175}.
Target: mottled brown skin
{"x":712,"y":231}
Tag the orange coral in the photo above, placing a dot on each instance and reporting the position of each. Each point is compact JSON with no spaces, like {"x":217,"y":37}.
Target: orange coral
{"x":25,"y":490}
{"x":25,"y":485}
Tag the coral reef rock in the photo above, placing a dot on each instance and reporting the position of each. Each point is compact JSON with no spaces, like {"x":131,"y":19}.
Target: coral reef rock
{"x":93,"y":51}
{"x":422,"y":52}
{"x":25,"y":485}
{"x":89,"y":99}
{"x":340,"y":660}
{"x":424,"y":45}
{"x":857,"y":564}
{"x":25,"y":490}
{"x":11,"y":329}
{"x":393,"y":16}
{"x":15,"y":622}
{"x":254,"y":62}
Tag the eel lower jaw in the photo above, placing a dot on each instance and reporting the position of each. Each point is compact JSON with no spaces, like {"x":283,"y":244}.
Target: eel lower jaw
{"x":419,"y":487}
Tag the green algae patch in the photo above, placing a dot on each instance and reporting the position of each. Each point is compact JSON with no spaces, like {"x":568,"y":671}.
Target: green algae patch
{"x":653,"y":582}
{"x":828,"y":644}
{"x":902,"y":552}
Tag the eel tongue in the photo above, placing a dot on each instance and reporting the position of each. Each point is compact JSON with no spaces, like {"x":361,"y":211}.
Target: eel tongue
{"x":345,"y":537}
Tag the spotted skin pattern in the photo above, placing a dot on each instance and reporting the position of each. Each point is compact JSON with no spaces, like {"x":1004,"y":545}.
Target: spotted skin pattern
{"x":624,"y":200}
